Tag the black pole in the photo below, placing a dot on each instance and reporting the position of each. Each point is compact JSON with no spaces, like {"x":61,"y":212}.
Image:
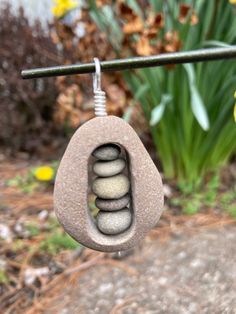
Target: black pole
{"x":136,"y":62}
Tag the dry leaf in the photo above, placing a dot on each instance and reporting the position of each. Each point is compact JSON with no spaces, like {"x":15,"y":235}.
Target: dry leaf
{"x":156,"y":22}
{"x":116,"y":95}
{"x":172,"y":42}
{"x":125,"y":11}
{"x":186,"y":14}
{"x":143,"y":47}
{"x":134,"y":26}
{"x":150,"y":33}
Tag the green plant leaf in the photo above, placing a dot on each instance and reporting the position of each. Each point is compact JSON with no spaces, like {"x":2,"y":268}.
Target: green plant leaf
{"x":197,"y":105}
{"x":128,"y":112}
{"x":4,"y":279}
{"x":159,"y":110}
{"x":58,"y":241}
{"x":214,"y":43}
{"x":198,"y":109}
{"x":141,"y":91}
{"x":191,"y":207}
{"x":13,"y":182}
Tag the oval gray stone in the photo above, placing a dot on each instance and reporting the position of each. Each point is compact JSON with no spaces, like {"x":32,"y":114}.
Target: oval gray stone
{"x":111,"y":187}
{"x":112,"y":205}
{"x":107,"y":152}
{"x":108,"y":168}
{"x":71,"y":186}
{"x":113,"y":223}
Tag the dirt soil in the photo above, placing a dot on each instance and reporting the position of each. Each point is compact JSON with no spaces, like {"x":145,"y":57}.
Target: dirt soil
{"x":185,"y":265}
{"x":190,"y":274}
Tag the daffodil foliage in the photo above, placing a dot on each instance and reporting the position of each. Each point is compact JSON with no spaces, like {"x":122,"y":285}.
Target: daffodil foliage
{"x":189,"y":108}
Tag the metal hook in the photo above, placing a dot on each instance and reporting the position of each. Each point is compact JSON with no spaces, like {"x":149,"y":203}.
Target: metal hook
{"x":99,"y":95}
{"x":97,"y":75}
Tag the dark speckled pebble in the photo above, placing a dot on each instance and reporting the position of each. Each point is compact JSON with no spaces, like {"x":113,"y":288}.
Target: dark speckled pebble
{"x":107,"y":152}
{"x":114,"y":204}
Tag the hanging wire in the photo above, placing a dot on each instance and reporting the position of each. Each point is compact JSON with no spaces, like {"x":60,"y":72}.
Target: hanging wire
{"x":200,"y":55}
{"x":99,"y":95}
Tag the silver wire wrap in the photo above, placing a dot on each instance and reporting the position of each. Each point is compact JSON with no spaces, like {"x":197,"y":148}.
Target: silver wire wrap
{"x":99,"y":95}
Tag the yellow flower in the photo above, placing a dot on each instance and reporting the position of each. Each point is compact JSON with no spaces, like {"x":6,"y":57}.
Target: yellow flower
{"x":44,"y":173}
{"x":61,"y":7}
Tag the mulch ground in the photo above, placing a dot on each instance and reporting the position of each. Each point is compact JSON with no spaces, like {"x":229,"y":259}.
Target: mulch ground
{"x":157,"y":277}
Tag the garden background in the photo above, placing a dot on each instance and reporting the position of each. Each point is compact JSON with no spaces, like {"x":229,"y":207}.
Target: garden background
{"x":185,"y":116}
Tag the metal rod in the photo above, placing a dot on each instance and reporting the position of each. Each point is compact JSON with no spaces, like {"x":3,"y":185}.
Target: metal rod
{"x":136,"y":62}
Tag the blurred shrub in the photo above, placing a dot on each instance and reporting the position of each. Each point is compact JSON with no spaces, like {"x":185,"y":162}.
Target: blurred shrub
{"x":82,"y":40}
{"x":26,"y":119}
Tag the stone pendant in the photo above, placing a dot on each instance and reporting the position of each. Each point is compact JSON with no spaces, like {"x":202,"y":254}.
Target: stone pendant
{"x":106,"y":158}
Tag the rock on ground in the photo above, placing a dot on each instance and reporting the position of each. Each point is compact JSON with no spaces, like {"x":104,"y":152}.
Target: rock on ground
{"x":187,"y":274}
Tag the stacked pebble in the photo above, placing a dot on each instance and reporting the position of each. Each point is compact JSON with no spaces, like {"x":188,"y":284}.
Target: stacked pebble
{"x":112,"y":190}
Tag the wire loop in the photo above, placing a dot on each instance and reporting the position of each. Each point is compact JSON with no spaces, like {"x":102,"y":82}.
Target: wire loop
{"x":99,"y":95}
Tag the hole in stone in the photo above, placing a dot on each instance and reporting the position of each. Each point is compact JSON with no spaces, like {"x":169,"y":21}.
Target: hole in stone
{"x":110,"y":194}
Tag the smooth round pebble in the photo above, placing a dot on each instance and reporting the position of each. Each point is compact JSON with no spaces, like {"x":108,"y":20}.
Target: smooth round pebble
{"x":113,"y":223}
{"x":112,"y":205}
{"x":108,"y":168}
{"x":111,"y":187}
{"x":107,"y":152}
